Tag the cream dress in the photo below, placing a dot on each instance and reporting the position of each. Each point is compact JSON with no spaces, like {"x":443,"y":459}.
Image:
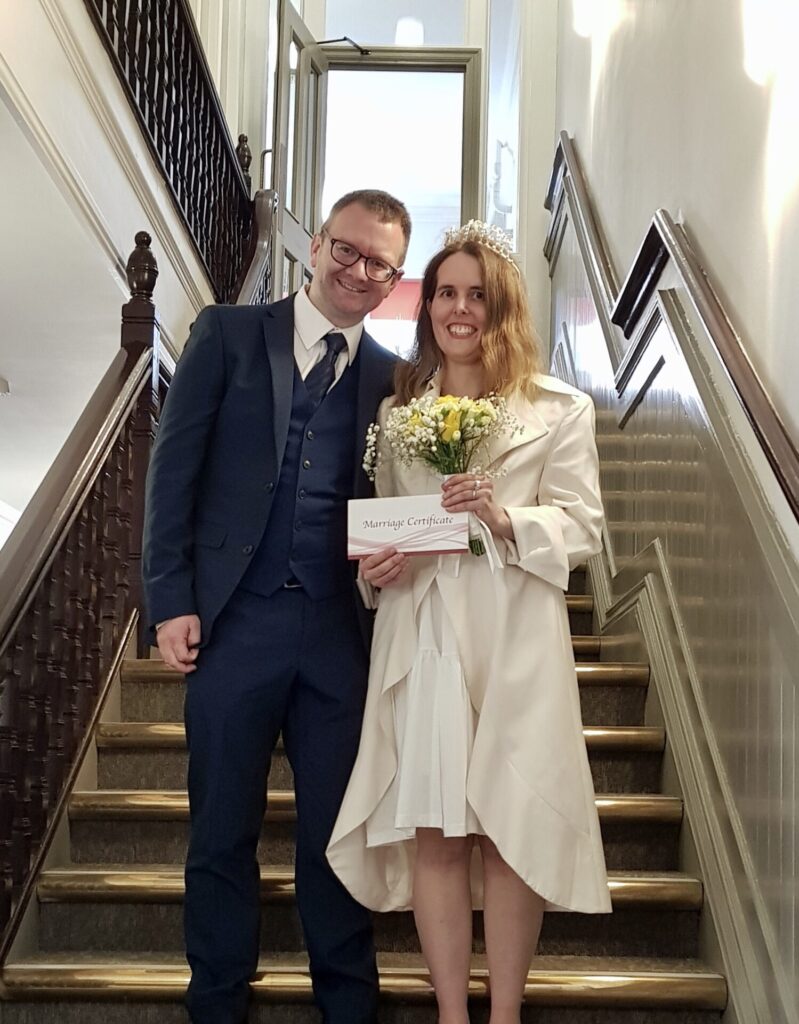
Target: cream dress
{"x":434,"y":726}
{"x":472,"y":721}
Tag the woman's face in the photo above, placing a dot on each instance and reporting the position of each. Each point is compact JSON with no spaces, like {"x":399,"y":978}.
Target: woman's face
{"x":458,"y":309}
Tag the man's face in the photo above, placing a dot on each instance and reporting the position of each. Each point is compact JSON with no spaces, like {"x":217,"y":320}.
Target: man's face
{"x":345,"y":294}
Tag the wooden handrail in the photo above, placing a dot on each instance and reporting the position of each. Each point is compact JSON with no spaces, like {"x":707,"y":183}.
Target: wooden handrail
{"x":25,"y":555}
{"x":71,"y":588}
{"x":663,"y":243}
{"x":256,"y":286}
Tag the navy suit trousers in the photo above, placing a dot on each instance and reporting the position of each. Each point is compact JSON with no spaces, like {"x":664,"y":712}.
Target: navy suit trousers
{"x":275,"y":664}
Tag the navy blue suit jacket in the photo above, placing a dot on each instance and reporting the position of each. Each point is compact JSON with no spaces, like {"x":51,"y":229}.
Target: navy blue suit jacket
{"x":216,"y":460}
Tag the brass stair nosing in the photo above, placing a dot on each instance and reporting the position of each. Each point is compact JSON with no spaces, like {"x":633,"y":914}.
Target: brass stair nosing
{"x":587,"y":645}
{"x":612,"y":673}
{"x":631,"y":739}
{"x":166,"y":804}
{"x":100,"y":884}
{"x":172,"y":736}
{"x":598,"y":673}
{"x":607,"y":985}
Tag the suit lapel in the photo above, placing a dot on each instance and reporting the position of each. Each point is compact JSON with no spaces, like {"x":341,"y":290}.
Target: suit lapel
{"x":279,"y":340}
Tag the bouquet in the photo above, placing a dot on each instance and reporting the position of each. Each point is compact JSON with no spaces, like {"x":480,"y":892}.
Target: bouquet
{"x":450,"y":434}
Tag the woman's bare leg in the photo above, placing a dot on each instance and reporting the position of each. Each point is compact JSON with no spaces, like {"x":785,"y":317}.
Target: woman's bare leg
{"x":512,"y":918}
{"x":442,"y":906}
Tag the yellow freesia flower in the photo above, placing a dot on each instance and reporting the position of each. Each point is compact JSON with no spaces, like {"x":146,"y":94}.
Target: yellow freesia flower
{"x":451,"y":424}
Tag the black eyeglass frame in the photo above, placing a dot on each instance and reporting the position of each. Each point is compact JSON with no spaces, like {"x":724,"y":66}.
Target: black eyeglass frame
{"x":360,"y":256}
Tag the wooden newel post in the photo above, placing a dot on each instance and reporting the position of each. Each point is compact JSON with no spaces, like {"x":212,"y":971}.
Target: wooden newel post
{"x":141,"y":331}
{"x":140,"y":327}
{"x":244,"y":154}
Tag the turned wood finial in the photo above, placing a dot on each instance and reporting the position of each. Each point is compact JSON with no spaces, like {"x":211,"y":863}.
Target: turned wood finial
{"x":244,"y":153}
{"x":142,"y":268}
{"x":139,"y":318}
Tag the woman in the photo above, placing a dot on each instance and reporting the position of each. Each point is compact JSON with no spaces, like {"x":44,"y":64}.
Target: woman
{"x":472,"y":737}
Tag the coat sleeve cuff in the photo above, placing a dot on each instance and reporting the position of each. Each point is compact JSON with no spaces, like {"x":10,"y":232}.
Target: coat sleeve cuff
{"x":548,"y":543}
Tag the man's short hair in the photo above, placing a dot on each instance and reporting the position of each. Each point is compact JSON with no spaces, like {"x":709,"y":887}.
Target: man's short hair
{"x":388,"y":210}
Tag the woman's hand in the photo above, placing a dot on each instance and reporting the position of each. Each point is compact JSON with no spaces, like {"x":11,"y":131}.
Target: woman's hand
{"x":470,"y":492}
{"x":383,"y":567}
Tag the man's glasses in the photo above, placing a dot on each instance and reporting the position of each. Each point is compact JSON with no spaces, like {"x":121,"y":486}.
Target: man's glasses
{"x":347,"y":256}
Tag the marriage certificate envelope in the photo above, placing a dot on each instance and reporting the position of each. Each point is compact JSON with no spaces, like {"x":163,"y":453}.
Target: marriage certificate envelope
{"x":417,"y":525}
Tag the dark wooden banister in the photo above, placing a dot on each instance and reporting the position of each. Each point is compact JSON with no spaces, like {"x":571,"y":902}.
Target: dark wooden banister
{"x":666,"y":241}
{"x":156,"y":52}
{"x":257,"y":277}
{"x":70,"y":575}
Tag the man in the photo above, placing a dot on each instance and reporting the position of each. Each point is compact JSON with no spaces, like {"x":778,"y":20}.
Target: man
{"x":259,"y":448}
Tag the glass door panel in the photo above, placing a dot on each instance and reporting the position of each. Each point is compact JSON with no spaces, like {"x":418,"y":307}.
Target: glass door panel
{"x":408,"y":140}
{"x":291,"y":142}
{"x":299,"y":147}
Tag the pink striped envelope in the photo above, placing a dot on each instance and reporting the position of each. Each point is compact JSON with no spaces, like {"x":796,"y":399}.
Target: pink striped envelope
{"x":417,"y":525}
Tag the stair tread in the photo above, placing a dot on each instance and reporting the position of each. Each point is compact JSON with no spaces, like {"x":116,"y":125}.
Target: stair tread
{"x":165,"y":883}
{"x":165,"y":804}
{"x":576,"y":980}
{"x":172,"y":736}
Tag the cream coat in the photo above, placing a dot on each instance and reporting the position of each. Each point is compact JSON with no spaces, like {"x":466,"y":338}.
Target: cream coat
{"x":529,"y":780}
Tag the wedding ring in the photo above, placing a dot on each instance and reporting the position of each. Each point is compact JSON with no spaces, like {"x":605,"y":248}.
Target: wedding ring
{"x":474,"y":490}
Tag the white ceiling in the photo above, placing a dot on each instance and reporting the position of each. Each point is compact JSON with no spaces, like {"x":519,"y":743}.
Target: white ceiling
{"x":59,"y":329}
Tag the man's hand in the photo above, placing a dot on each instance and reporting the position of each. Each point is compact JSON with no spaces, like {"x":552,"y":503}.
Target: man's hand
{"x":177,"y":642}
{"x":384,"y":567}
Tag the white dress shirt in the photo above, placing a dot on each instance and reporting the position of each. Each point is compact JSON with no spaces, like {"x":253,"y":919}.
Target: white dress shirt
{"x":310,"y":328}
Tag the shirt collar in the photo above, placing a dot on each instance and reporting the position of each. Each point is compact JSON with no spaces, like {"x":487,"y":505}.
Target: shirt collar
{"x":312,"y":326}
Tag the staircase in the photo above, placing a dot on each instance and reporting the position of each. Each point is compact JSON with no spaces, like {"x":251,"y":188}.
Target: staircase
{"x":110,"y":934}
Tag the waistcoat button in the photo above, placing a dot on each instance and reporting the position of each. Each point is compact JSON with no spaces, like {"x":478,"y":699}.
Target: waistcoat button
{"x":247,"y":549}
{"x":306,"y":463}
{"x":310,"y":435}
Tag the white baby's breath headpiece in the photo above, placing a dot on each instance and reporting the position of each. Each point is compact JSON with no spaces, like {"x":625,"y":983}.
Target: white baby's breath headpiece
{"x":489,"y":235}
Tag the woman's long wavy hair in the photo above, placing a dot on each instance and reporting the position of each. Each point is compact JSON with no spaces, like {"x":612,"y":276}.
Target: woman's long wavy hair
{"x":511,"y":351}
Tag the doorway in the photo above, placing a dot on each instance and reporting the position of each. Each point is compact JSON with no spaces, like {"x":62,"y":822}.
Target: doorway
{"x":403,"y":120}
{"x":407,"y":138}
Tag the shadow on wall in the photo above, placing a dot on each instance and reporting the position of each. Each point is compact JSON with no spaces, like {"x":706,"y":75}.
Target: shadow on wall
{"x":695,"y":108}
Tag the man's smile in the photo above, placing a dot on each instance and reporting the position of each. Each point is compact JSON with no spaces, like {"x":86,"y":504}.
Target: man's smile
{"x":351,"y":287}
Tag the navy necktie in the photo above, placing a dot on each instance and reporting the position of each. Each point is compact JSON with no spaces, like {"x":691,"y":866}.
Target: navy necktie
{"x":318,"y":381}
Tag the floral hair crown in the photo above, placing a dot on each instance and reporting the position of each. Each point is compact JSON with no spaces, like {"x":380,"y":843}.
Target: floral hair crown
{"x":489,"y":235}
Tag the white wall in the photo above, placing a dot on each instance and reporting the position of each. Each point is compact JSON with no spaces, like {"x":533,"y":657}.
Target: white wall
{"x":694,"y":106}
{"x":235,"y":37}
{"x":536,"y":149}
{"x":78,"y":183}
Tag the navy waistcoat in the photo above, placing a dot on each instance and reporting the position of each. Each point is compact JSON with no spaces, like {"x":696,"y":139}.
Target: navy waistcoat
{"x":306,"y":535}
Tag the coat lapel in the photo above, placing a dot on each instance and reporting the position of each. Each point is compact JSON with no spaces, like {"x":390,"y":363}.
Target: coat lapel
{"x":532,"y":427}
{"x":279,"y":340}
